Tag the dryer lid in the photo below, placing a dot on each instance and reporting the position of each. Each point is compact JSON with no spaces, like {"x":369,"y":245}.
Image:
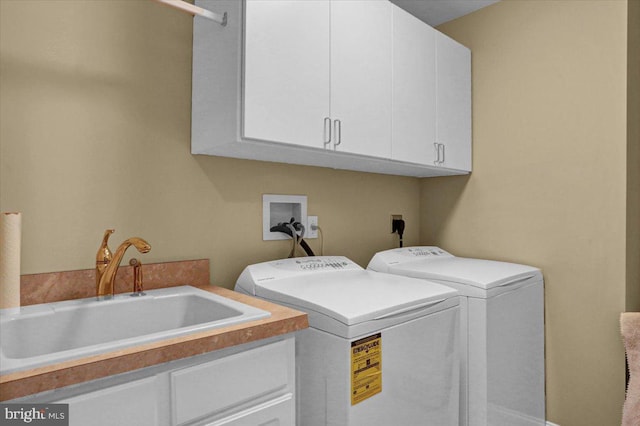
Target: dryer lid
{"x":434,"y":263}
{"x":337,"y":288}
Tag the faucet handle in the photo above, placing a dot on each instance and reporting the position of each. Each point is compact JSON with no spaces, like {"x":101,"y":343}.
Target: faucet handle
{"x":137,"y":277}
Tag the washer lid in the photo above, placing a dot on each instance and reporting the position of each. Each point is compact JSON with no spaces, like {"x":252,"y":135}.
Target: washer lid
{"x":337,"y":288}
{"x":436,"y":264}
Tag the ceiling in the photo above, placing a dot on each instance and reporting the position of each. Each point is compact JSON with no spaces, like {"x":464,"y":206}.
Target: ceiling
{"x":436,"y":12}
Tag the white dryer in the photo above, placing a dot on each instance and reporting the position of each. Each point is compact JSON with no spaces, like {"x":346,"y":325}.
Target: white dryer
{"x":380,"y":350}
{"x":502,"y":331}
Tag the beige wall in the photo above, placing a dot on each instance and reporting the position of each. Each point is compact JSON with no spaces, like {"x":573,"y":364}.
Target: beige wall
{"x":95,"y":114}
{"x":549,"y":182}
{"x":95,"y":111}
{"x":633,"y":157}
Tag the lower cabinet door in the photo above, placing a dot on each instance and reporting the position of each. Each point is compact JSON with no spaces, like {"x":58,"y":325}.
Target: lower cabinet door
{"x":134,"y":403}
{"x":232,"y":382}
{"x":277,"y":412}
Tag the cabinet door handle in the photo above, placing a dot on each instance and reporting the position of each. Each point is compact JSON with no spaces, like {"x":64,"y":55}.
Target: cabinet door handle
{"x":338,"y":132}
{"x":443,"y":159}
{"x":327,"y":131}
{"x":436,"y":151}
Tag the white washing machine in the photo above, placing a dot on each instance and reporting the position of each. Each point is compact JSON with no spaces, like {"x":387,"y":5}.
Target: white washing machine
{"x":502,"y":331}
{"x":380,"y":350}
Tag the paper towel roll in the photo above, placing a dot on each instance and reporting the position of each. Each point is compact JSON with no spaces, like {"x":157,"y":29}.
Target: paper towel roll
{"x":10,"y":240}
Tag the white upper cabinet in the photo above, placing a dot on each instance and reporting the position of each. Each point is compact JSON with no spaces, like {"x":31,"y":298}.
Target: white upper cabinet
{"x":318,"y":73}
{"x":414,"y":89}
{"x":347,"y":84}
{"x":453,"y":106}
{"x":286,"y":71}
{"x":361,"y":76}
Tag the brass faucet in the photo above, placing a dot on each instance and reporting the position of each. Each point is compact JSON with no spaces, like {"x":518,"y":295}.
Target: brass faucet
{"x":106,"y":278}
{"x":103,"y":257}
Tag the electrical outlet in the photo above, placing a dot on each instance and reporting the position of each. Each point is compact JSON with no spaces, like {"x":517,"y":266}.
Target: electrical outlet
{"x":310,"y":232}
{"x":394,"y":217}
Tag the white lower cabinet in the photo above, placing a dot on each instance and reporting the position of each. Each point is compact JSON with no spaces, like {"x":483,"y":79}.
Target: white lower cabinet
{"x":273,"y":413}
{"x":248,"y":385}
{"x":133,"y":403}
{"x":246,"y":376}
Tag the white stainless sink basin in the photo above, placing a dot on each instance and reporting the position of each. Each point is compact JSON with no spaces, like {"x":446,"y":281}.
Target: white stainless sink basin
{"x":53,"y":332}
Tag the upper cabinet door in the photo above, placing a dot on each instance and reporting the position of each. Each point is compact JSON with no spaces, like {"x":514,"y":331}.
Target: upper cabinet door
{"x":414,"y":89}
{"x":361,"y":76}
{"x":286,"y":71}
{"x":453,"y":106}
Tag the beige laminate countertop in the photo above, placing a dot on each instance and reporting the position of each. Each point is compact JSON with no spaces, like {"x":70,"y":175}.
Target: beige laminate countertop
{"x":282,"y":321}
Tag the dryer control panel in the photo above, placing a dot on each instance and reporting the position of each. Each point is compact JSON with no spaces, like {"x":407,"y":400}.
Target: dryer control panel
{"x":383,"y":260}
{"x":422,"y":251}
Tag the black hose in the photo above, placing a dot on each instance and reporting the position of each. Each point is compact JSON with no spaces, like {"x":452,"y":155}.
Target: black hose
{"x":286,"y":230}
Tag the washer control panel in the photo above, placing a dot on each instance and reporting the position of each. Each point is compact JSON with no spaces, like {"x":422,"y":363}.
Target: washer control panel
{"x":318,"y":263}
{"x":297,"y":268}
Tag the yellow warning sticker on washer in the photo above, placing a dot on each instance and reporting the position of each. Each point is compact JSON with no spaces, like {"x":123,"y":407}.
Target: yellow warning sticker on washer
{"x":366,"y":368}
